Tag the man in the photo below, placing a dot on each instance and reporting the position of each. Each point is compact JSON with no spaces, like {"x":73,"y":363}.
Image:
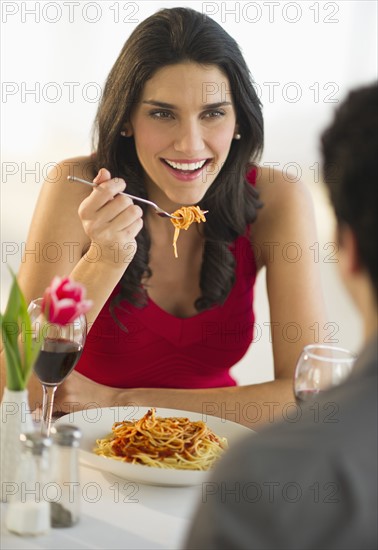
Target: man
{"x":312,"y":484}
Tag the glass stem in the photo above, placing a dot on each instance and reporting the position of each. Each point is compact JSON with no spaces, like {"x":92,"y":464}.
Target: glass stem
{"x":47,"y":408}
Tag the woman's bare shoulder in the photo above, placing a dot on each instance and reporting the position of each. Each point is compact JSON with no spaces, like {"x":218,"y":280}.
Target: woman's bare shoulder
{"x":287,"y":210}
{"x":81,"y":166}
{"x":56,"y":183}
{"x":56,"y":210}
{"x":56,"y":226}
{"x":282,"y":198}
{"x":274,"y":186}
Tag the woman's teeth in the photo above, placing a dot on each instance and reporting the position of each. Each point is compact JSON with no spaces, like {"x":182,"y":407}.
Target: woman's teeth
{"x":186,"y":166}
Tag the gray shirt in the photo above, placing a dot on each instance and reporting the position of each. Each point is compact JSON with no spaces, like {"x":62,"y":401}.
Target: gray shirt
{"x":309,"y":482}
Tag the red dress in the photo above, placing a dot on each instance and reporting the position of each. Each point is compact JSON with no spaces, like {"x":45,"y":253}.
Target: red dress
{"x":163,"y":351}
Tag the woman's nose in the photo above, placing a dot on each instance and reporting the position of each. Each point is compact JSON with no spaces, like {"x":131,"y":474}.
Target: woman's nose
{"x":189,"y":139}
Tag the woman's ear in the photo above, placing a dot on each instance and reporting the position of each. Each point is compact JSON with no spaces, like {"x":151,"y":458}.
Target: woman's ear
{"x":237,"y":135}
{"x":127,"y":130}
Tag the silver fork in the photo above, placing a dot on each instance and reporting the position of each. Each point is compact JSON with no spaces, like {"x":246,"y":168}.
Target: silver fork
{"x":159,"y":211}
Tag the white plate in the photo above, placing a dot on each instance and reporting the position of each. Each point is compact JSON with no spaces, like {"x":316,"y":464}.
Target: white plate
{"x":97,"y":423}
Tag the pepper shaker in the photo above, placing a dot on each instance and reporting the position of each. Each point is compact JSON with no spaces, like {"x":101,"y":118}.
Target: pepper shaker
{"x":65,"y":508}
{"x":28,"y":512}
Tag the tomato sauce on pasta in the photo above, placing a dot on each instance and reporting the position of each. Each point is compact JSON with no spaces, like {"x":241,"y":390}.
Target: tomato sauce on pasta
{"x":163,"y":442}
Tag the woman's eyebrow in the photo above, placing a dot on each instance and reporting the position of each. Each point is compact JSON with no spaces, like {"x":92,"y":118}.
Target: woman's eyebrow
{"x":164,"y":105}
{"x":159,"y":104}
{"x":216,"y":105}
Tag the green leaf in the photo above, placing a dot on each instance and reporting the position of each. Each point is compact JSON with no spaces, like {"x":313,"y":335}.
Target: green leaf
{"x":26,"y":336}
{"x":12,"y":323}
{"x":14,"y":377}
{"x":13,"y":305}
{"x":10,"y":331}
{"x":11,"y":316}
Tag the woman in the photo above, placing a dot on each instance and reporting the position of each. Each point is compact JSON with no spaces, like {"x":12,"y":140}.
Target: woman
{"x":181,"y":124}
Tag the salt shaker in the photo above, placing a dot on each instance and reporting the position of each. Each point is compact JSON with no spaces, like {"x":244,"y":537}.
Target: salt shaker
{"x":28,"y":512}
{"x":65,"y":508}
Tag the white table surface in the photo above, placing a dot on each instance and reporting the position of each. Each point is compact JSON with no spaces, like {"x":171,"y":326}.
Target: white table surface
{"x":117,"y":513}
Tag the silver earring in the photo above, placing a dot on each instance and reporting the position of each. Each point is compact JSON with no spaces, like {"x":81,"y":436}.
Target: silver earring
{"x":124,"y":133}
{"x":237,"y":136}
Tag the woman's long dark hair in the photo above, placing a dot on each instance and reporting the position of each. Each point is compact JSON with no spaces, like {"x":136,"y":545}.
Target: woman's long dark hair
{"x":169,"y":37}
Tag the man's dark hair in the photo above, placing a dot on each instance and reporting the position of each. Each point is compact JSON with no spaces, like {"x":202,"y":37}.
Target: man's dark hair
{"x":350,"y":170}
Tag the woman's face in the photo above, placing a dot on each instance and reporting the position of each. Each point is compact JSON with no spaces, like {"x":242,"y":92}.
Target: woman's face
{"x":183,"y":127}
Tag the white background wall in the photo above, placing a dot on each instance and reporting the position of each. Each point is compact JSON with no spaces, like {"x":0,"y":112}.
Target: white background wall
{"x":305,"y":56}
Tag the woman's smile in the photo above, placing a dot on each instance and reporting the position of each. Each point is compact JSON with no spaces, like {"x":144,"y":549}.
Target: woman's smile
{"x":185,"y":169}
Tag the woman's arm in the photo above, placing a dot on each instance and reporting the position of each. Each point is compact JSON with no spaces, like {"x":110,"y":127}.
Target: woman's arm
{"x":284,"y":237}
{"x":89,"y":235}
{"x":252,"y":405}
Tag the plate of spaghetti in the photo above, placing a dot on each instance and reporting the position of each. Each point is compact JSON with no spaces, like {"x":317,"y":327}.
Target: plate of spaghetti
{"x":154,"y":446}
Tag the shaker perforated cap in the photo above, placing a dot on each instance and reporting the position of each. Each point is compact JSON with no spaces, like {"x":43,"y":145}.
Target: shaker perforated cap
{"x":66,"y":434}
{"x":35,"y":441}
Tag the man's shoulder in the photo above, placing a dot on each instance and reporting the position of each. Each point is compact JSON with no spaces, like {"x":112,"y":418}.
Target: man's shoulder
{"x":338,"y":424}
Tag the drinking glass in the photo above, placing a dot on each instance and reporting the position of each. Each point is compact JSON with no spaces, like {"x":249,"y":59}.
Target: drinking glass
{"x":319,"y":368}
{"x":60,"y":351}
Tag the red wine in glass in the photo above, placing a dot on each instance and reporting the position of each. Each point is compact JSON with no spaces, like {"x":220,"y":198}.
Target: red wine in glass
{"x":56,"y":360}
{"x":61,"y":348}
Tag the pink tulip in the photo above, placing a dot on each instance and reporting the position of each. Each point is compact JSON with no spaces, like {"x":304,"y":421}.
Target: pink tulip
{"x":63,"y":301}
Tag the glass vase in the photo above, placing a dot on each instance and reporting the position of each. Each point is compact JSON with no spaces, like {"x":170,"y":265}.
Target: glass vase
{"x":16,"y":418}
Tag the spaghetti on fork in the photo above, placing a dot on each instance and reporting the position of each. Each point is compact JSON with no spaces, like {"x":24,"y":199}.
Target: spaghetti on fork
{"x":186,"y":216}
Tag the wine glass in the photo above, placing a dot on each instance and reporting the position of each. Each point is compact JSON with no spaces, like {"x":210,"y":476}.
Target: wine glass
{"x":61,"y":348}
{"x":319,"y":368}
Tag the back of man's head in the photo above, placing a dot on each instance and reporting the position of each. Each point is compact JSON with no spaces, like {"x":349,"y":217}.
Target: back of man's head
{"x":350,"y":169}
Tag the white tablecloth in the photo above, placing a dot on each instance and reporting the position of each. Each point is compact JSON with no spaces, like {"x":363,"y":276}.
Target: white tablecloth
{"x":118,"y":513}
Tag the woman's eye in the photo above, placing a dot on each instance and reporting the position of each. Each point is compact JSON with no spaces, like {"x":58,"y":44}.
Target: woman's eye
{"x":214,"y":114}
{"x":161,"y":114}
